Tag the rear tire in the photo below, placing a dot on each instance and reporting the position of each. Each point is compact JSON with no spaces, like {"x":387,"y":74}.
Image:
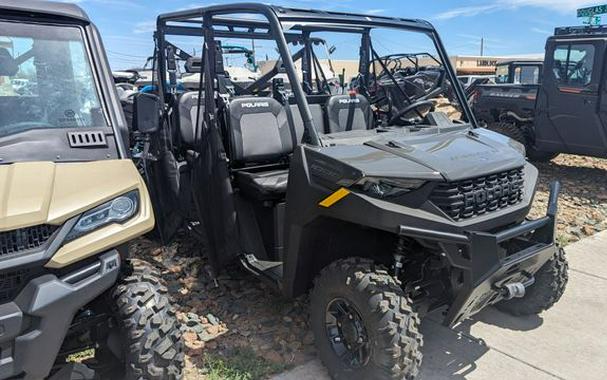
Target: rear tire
{"x":550,"y":283}
{"x":517,"y":134}
{"x":151,"y":339}
{"x":510,"y":130}
{"x":385,"y":324}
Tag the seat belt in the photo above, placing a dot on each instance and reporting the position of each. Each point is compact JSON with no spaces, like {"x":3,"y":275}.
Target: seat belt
{"x":278,"y":88}
{"x":291,"y":121}
{"x":351,"y":111}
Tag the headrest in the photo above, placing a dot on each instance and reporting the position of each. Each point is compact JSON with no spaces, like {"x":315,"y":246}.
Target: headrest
{"x":347,"y":101}
{"x":254,"y":104}
{"x":192,"y":65}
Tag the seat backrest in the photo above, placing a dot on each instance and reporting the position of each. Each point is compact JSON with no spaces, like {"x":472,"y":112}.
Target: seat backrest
{"x":348,"y":113}
{"x":317,"y":115}
{"x":188,"y":114}
{"x":259,"y":130}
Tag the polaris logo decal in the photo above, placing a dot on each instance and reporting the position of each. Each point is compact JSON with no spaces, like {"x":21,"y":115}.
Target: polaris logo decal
{"x":349,"y":101}
{"x":255,"y":105}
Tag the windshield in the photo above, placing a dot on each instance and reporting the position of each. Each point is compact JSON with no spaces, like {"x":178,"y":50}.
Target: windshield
{"x":526,"y":74}
{"x":407,"y":79}
{"x":45,"y":79}
{"x":502,"y":74}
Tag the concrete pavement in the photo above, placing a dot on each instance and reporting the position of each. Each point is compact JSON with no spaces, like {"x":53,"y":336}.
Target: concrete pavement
{"x":567,"y":342}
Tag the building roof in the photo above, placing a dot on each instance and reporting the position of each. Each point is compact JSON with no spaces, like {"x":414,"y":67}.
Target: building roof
{"x":64,"y":10}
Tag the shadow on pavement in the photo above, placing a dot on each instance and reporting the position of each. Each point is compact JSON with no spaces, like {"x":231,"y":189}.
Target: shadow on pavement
{"x":454,"y":353}
{"x":494,"y":317}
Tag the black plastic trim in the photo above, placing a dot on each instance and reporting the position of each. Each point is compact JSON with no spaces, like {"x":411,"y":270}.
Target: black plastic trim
{"x":485,"y":266}
{"x":37,"y":321}
{"x":41,"y":254}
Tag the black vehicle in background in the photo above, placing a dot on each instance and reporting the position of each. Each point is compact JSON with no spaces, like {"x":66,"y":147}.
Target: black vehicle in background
{"x":565,"y":111}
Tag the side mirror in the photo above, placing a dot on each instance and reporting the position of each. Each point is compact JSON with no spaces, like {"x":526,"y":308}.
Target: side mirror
{"x":146,"y":113}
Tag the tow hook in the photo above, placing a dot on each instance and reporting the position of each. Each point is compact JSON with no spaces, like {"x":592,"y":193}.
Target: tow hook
{"x":515,"y":289}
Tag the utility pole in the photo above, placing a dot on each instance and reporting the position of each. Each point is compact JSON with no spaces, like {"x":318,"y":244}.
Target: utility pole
{"x":482,"y":47}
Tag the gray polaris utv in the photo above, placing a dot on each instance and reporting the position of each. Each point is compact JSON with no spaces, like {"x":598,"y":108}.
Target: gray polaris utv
{"x":71,"y":199}
{"x":385,"y":203}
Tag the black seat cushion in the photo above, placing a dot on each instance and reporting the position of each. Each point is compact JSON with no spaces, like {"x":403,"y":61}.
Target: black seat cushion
{"x":270,"y":185}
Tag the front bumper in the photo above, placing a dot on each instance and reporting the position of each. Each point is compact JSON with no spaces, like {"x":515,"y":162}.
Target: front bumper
{"x":34,"y":324}
{"x":485,"y":262}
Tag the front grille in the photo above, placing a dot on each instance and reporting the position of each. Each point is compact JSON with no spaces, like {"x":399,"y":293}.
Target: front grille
{"x":478,"y":196}
{"x":12,"y":282}
{"x":24,"y":239}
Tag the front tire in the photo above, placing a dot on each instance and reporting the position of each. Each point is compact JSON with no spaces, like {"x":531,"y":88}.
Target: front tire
{"x":151,"y":345}
{"x":363,"y":324}
{"x":550,"y":283}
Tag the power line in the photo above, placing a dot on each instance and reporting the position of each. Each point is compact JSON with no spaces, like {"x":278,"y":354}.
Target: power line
{"x":126,"y":55}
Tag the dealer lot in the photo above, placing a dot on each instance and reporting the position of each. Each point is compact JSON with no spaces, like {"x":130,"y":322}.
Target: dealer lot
{"x":567,"y":342}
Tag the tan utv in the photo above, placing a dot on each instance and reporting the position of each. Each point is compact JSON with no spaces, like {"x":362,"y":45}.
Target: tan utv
{"x":71,"y":199}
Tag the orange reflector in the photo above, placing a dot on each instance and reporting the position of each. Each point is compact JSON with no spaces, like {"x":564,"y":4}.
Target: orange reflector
{"x":335,"y":197}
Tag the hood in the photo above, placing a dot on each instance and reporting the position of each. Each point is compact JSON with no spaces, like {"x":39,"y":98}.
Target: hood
{"x":33,"y":193}
{"x":453,"y":156}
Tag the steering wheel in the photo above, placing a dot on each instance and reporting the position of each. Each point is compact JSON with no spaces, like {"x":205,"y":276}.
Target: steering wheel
{"x":418,"y":107}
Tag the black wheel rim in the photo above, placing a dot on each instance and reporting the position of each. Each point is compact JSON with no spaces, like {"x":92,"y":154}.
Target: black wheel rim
{"x":347,"y":333}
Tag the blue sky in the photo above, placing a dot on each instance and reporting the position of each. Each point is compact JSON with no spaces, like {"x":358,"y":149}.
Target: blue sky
{"x":508,"y":26}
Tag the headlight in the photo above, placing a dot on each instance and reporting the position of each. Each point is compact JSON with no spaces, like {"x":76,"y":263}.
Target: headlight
{"x":117,"y":210}
{"x":383,"y":188}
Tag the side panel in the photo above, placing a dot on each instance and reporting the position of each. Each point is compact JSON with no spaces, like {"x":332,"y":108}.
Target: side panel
{"x":568,"y":112}
{"x":494,"y":101}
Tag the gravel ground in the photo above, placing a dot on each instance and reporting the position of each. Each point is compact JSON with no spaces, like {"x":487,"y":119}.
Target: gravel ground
{"x":583,"y":202}
{"x":240,"y":328}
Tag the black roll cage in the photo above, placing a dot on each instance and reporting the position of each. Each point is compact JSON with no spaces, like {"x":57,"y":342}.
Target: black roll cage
{"x":285,"y":25}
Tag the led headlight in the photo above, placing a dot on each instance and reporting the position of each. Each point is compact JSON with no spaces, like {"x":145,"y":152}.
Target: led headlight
{"x":383,"y":188}
{"x":118,"y":210}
